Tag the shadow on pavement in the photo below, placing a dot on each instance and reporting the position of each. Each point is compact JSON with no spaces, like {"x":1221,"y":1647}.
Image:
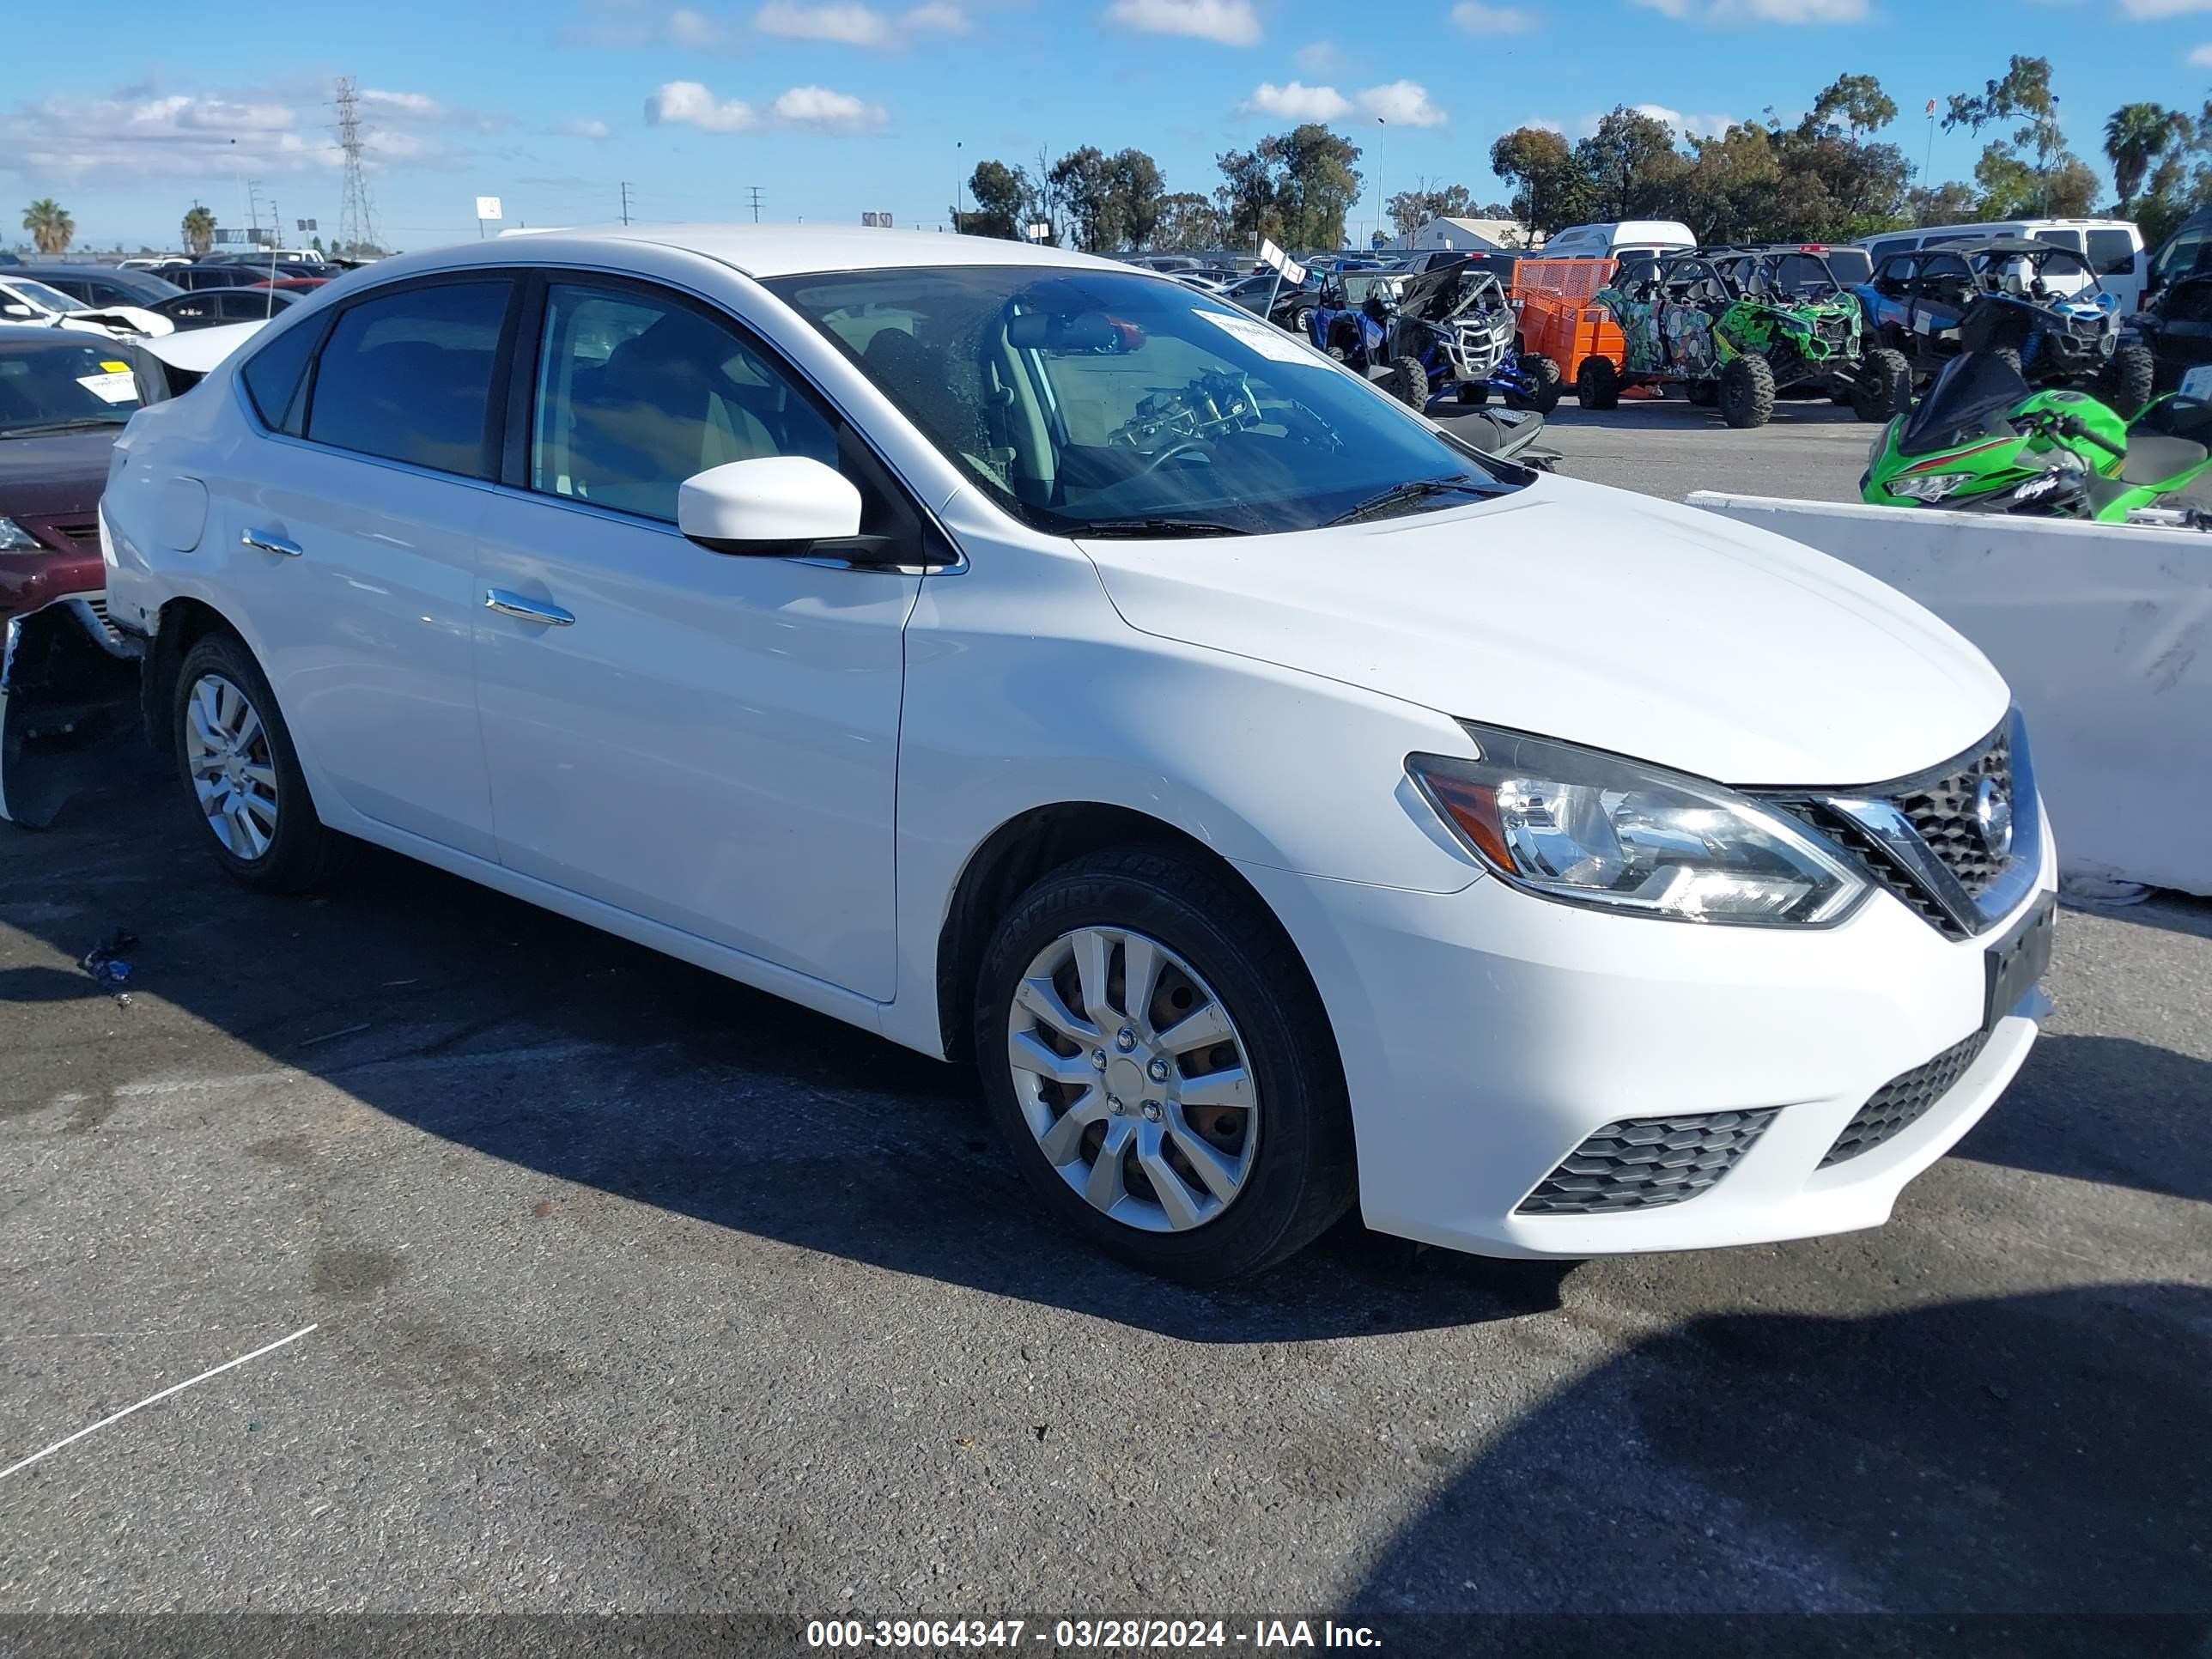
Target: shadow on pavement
{"x":2038,"y":1453}
{"x":666,"y":1084}
{"x":1676,"y":412}
{"x":2108,"y":1109}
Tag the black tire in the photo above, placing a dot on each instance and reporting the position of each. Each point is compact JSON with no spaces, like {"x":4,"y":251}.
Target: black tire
{"x":1885,"y":386}
{"x":1702,"y":394}
{"x":1473,"y":394}
{"x":1597,"y":384}
{"x":1302,"y":1176}
{"x":2010,"y":356}
{"x":1547,"y":383}
{"x":2129,"y":379}
{"x":303,"y":854}
{"x":1746,"y":392}
{"x":1409,"y":382}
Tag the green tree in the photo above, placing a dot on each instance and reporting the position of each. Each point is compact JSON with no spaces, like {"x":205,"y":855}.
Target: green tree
{"x":1084,"y":179}
{"x":1247,"y":196}
{"x":1836,"y":183}
{"x":1551,"y":188}
{"x":1409,"y":209}
{"x":1732,"y":191}
{"x":1317,"y":183}
{"x":199,"y":229}
{"x":1951,"y":203}
{"x":997,"y":191}
{"x":2070,"y":190}
{"x":1859,"y":99}
{"x":1188,"y":219}
{"x":50,"y":225}
{"x":2036,"y":147}
{"x":1136,"y":190}
{"x":1634,"y":169}
{"x":2135,"y":136}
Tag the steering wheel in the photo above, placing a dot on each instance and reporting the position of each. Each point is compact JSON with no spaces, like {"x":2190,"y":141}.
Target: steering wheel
{"x":1184,"y":446}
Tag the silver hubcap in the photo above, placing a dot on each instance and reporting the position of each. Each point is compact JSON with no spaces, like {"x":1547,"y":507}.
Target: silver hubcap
{"x":1134,"y":1078}
{"x":233,"y":773}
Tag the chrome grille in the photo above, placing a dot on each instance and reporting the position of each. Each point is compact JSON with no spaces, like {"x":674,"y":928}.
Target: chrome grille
{"x":85,"y":534}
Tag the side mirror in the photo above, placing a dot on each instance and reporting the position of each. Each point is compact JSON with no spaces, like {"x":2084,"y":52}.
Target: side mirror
{"x":774,"y":506}
{"x":16,"y":310}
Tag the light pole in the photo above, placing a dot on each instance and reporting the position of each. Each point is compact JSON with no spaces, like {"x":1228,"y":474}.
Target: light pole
{"x":959,"y":187}
{"x":1382,"y":132}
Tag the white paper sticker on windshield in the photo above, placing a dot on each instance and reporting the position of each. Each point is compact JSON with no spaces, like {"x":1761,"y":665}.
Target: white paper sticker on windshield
{"x":2197,"y":385}
{"x":111,"y":387}
{"x":1265,"y":338}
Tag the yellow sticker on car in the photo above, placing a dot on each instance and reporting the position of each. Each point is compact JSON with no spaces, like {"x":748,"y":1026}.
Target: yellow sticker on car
{"x":114,"y":367}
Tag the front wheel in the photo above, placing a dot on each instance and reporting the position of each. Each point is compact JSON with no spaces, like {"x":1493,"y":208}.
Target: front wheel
{"x":2129,"y":380}
{"x":1746,"y":392}
{"x":1409,"y":382}
{"x":1545,"y":384}
{"x":1157,"y":1059}
{"x":1885,"y":386}
{"x":235,"y":756}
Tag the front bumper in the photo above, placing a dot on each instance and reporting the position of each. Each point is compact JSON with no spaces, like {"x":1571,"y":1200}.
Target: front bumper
{"x":1486,"y":1035}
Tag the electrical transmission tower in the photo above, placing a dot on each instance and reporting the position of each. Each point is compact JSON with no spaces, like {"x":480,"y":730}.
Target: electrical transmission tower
{"x":755,"y":190}
{"x":356,"y":223}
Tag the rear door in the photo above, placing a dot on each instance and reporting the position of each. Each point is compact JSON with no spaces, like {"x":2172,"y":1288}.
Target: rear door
{"x":349,"y":524}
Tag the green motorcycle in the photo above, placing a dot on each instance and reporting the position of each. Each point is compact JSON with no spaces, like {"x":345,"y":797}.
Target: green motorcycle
{"x":1983,"y":441}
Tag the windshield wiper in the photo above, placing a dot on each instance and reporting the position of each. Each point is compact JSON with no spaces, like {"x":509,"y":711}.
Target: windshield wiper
{"x":1414,"y":490}
{"x":60,"y":426}
{"x":1162,"y":527}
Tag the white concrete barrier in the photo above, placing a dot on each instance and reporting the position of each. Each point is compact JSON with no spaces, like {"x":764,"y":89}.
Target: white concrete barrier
{"x":2105,"y":634}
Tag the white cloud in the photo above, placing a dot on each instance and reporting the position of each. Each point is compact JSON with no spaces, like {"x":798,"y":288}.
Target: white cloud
{"x":1231,"y":23}
{"x":623,"y":26}
{"x":1681,"y":125}
{"x":687,"y":27}
{"x":2140,"y":9}
{"x":687,"y":103}
{"x":1318,"y":58}
{"x":819,"y":107}
{"x":1402,"y":103}
{"x":849,"y":25}
{"x":1296,"y":102}
{"x":1478,"y":19}
{"x":584,"y":128}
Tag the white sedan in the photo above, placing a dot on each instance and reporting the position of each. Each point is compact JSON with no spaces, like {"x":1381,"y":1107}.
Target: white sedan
{"x":1032,"y":660}
{"x":25,"y":300}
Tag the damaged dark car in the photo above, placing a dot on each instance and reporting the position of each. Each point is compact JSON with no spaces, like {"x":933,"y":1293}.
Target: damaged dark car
{"x":66,"y":678}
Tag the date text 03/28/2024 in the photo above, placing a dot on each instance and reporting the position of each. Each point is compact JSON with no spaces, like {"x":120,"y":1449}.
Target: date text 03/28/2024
{"x":1085,"y":1635}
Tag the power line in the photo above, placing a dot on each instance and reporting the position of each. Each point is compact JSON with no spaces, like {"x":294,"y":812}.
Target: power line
{"x":356,"y":223}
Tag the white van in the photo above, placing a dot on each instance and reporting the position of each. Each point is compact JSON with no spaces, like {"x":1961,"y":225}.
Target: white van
{"x":1627,"y":238}
{"x":2113,"y":247}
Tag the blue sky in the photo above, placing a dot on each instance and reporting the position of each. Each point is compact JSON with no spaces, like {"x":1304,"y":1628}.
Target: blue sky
{"x":837,"y":109}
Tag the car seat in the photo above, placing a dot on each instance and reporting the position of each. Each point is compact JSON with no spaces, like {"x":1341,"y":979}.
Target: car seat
{"x":658,"y":412}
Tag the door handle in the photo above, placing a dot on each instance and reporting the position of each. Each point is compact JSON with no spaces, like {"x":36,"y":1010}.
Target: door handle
{"x":529,"y":611}
{"x":268,"y":541}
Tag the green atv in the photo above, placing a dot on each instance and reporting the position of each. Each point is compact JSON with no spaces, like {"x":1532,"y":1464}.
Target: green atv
{"x":1736,"y":327}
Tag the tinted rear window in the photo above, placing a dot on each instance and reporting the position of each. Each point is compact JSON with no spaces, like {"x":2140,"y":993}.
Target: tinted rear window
{"x":273,"y":374}
{"x":409,"y":376}
{"x":2112,"y":252}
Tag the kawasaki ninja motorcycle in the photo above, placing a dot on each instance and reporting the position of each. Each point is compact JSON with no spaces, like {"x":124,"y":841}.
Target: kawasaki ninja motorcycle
{"x":1983,"y":441}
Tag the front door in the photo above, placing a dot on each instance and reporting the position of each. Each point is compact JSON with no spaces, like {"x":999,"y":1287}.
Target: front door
{"x":704,"y":739}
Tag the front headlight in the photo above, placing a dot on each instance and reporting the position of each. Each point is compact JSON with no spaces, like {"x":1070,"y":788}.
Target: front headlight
{"x":14,"y":538}
{"x":1588,"y":828}
{"x":1930,"y":486}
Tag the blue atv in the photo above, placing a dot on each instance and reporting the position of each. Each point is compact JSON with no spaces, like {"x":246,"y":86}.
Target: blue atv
{"x":1447,"y":333}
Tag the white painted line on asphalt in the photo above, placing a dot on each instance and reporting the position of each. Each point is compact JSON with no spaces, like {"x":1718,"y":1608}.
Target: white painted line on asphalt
{"x":152,"y":1398}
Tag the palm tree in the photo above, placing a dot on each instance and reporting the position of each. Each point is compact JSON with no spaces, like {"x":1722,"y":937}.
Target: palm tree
{"x":2136,"y":135}
{"x":50,"y":225}
{"x":199,"y":230}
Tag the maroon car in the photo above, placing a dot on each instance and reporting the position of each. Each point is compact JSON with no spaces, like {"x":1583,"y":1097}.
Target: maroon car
{"x":63,"y":674}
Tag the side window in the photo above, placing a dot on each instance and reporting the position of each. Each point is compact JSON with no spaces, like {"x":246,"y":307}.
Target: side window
{"x":1894,"y":279}
{"x":1946,"y":281}
{"x":2112,"y":252}
{"x":408,"y":376}
{"x":1881,"y":251}
{"x":635,"y":394}
{"x":2179,"y":258}
{"x":275,"y":376}
{"x":2069,"y":239}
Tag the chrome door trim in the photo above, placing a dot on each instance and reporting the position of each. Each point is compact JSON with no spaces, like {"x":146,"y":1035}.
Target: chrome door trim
{"x":268,"y":541}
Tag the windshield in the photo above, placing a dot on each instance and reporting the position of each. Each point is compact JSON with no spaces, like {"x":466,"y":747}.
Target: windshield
{"x":46,"y":383}
{"x":1969,"y":400}
{"x":46,"y":299}
{"x":1088,"y":402}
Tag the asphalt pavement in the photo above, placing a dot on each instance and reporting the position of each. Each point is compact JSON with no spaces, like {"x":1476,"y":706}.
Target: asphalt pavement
{"x":634,"y":1290}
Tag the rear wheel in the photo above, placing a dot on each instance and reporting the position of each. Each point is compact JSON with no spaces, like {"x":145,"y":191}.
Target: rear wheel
{"x":1546,"y":383}
{"x":1597,"y":384}
{"x":1157,"y":1059}
{"x":2128,"y":380}
{"x":1409,"y":381}
{"x":236,"y":756}
{"x":2009,"y":355}
{"x":1885,"y":386}
{"x":1746,"y":392}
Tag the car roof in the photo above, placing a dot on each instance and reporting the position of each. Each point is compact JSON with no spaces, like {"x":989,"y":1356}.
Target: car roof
{"x":766,"y":251}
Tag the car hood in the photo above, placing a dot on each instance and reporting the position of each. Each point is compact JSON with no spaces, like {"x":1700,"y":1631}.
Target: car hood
{"x":1595,"y":617}
{"x":61,"y":473}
